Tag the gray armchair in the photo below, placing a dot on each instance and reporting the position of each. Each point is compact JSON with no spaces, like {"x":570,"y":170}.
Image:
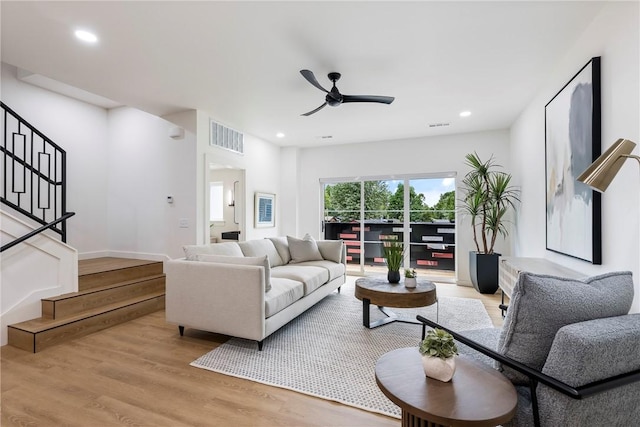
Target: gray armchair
{"x":570,"y":349}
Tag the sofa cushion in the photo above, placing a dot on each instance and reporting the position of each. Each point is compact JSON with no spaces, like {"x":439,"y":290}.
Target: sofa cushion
{"x":312,"y":277}
{"x":335,"y":269}
{"x":261,"y":261}
{"x":305,"y":249}
{"x":261,"y":247}
{"x":282,"y":246}
{"x":331,"y":250}
{"x":541,"y":305}
{"x":283,"y":293}
{"x":226,"y":248}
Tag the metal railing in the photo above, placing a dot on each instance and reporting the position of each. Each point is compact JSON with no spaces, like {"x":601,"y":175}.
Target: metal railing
{"x":34,"y":174}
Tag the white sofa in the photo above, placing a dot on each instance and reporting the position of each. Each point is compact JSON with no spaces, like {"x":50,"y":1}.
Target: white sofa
{"x":251,"y":289}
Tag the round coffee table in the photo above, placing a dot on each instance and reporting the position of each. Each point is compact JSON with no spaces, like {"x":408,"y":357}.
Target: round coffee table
{"x":377,"y":290}
{"x":477,"y":394}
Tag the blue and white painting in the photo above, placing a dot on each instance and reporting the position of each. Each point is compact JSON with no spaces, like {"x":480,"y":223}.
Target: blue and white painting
{"x":571,"y":205}
{"x":265,"y":210}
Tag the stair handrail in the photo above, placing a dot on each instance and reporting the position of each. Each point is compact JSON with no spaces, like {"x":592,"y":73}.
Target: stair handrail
{"x":36,"y":170}
{"x":36,"y":231}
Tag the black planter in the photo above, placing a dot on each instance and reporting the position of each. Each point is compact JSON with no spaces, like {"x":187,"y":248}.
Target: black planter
{"x":483,"y":269}
{"x":393,"y":276}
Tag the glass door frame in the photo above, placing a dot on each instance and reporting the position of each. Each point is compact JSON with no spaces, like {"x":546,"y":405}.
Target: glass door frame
{"x":406,"y":225}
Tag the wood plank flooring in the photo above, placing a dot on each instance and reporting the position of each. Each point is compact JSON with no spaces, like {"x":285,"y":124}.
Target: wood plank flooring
{"x":138,"y":374}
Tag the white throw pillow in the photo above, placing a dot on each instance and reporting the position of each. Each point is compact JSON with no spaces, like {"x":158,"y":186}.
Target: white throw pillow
{"x":261,"y":261}
{"x":261,"y":247}
{"x":282,"y":246}
{"x":305,"y":249}
{"x":331,"y":250}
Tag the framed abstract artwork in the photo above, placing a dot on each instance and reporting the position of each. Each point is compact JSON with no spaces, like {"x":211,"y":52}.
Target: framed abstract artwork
{"x":265,"y":210}
{"x":572,"y":143}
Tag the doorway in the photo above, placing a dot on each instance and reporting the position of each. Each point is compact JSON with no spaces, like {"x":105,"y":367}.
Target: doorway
{"x":224,"y":204}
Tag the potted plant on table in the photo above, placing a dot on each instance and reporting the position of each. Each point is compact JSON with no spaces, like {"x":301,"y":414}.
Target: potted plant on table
{"x":488,"y":197}
{"x":438,"y":351}
{"x":410,"y":278}
{"x":393,"y":252}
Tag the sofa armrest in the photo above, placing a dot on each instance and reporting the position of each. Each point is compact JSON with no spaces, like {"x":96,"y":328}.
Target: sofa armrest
{"x":221,"y":298}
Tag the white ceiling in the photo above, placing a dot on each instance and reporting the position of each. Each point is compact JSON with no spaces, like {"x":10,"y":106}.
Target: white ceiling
{"x":240,"y":61}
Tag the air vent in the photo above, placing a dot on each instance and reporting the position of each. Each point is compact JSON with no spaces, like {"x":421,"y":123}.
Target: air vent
{"x":438,"y":125}
{"x":224,"y":137}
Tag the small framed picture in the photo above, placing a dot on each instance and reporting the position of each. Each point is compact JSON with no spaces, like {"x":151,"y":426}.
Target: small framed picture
{"x":265,"y":210}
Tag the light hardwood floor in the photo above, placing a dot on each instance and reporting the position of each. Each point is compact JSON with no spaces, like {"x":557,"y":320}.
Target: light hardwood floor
{"x":138,"y":374}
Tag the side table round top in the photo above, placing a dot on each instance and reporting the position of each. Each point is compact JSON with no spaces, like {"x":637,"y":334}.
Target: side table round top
{"x":477,"y":394}
{"x":380,"y":292}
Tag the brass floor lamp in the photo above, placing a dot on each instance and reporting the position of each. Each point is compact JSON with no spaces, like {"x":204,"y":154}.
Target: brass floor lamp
{"x":601,"y":172}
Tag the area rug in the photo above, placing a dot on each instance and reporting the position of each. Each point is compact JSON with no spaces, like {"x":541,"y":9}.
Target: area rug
{"x":326,"y":352}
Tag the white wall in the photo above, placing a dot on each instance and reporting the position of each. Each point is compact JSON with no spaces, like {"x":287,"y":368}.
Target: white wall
{"x":145,"y":167}
{"x":81,"y":130}
{"x":441,"y":154}
{"x":615,"y":37}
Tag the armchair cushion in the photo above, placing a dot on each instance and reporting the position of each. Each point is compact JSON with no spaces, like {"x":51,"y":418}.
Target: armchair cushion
{"x":541,"y":305}
{"x":594,"y":350}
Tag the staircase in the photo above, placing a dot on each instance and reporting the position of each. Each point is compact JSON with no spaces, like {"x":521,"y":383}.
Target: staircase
{"x":110,"y":291}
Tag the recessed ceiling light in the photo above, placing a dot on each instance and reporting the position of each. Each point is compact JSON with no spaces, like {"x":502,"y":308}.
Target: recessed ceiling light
{"x":86,"y":36}
{"x":465,"y":114}
{"x":280,"y":135}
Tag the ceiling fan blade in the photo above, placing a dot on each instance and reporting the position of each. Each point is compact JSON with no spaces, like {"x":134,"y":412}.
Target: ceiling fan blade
{"x":315,"y":111}
{"x":368,"y":98}
{"x":312,"y":79}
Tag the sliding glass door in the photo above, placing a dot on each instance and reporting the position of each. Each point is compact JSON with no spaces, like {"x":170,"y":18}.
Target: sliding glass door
{"x":416,"y":210}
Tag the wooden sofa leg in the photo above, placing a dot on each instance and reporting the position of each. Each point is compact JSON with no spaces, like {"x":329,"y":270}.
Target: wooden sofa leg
{"x":339,"y":288}
{"x":260,"y":345}
{"x":181,"y":329}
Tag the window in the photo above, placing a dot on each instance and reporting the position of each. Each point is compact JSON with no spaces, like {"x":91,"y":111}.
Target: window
{"x":216,"y":201}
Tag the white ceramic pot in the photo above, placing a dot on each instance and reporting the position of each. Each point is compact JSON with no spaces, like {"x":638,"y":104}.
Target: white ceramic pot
{"x":439,"y":369}
{"x":410,"y":282}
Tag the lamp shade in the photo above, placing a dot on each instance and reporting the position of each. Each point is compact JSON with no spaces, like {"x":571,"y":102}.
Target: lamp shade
{"x":601,"y":172}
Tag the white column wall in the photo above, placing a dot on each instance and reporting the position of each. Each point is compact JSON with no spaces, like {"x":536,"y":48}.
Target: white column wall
{"x":145,"y":167}
{"x":614,"y":36}
{"x":440,"y":154}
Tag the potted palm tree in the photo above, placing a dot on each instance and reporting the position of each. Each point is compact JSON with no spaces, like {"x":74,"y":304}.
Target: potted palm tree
{"x":487,"y":198}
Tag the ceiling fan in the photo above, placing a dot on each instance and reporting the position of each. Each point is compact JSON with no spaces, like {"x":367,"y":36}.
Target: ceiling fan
{"x":335,"y":98}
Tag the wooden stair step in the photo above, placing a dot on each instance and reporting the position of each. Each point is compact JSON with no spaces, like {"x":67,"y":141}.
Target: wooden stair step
{"x":76,"y":302}
{"x":94,"y":273}
{"x":38,"y":334}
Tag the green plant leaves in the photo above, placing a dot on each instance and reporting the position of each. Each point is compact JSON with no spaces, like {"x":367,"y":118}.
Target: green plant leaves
{"x":438,"y":343}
